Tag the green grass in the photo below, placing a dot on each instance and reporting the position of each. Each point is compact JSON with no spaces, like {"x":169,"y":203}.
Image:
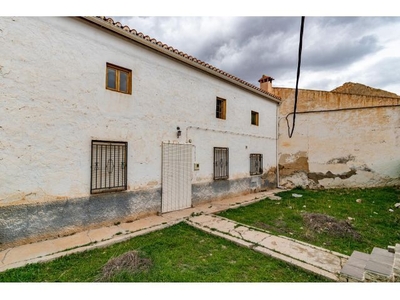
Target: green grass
{"x":370,"y":216}
{"x":178,"y":254}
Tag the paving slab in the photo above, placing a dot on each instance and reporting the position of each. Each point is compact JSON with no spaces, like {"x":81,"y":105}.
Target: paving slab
{"x":321,"y":259}
{"x":381,"y":252}
{"x":354,"y":269}
{"x":379,"y":268}
{"x":358,"y":259}
{"x":72,"y":241}
{"x":204,"y":220}
{"x":353,"y":272}
{"x":255,"y":236}
{"x":139,"y":224}
{"x":104,"y":233}
{"x":298,"y":263}
{"x":289,"y":250}
{"x":213,"y":222}
{"x":29,"y":251}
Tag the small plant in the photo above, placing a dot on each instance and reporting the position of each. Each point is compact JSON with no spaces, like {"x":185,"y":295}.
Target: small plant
{"x":194,"y":214}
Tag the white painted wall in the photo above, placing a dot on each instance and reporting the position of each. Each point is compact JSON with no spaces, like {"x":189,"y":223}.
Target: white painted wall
{"x":54,"y":102}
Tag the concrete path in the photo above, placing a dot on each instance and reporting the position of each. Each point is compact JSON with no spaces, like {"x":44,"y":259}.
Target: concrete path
{"x":314,"y":259}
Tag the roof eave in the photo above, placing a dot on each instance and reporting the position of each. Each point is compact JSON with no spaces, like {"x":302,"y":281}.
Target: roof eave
{"x":176,"y":56}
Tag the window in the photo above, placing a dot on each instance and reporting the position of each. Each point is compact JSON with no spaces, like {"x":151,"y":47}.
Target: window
{"x":109,"y":166}
{"x":221,"y":163}
{"x":254,"y":118}
{"x":221,"y":108}
{"x":256,"y":164}
{"x":119,"y":79}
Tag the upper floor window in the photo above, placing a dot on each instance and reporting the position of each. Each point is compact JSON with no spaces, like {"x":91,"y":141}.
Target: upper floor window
{"x":254,"y":118}
{"x":221,"y":108}
{"x":119,"y":79}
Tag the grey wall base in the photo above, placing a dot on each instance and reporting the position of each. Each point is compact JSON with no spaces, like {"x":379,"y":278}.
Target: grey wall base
{"x":203,"y":192}
{"x":26,"y":223}
{"x":23,"y":223}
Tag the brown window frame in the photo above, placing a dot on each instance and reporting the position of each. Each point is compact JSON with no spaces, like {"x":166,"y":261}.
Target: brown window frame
{"x":220,"y":108}
{"x":256,"y":164}
{"x":255,"y":118}
{"x":118,"y":70}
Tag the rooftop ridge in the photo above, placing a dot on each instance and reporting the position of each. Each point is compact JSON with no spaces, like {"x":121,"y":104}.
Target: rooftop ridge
{"x":147,"y":38}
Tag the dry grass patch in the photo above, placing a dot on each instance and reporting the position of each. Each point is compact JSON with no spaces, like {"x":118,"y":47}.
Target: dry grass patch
{"x":321,"y":223}
{"x":130,"y":262}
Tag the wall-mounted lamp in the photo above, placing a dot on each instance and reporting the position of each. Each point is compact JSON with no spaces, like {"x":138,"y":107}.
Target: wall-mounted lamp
{"x":179,"y":132}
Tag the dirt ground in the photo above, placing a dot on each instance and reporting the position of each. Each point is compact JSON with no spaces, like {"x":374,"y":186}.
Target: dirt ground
{"x":320,"y":223}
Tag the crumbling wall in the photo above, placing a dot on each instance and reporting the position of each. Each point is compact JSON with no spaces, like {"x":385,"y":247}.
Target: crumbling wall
{"x":339,"y":140}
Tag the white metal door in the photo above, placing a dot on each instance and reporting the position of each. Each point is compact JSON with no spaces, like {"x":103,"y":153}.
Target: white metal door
{"x":176,"y":176}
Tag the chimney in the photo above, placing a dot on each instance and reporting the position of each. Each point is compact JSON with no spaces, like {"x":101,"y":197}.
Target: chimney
{"x":266,"y":83}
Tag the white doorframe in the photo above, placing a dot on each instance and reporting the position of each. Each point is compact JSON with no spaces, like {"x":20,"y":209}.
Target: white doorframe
{"x":176,"y":181}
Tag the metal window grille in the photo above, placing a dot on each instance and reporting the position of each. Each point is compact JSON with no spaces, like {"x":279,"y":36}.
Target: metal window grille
{"x":109,"y":166}
{"x":256,"y":164}
{"x":221,"y":163}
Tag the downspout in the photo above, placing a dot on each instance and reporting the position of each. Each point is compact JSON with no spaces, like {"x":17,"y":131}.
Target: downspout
{"x":277,"y":148}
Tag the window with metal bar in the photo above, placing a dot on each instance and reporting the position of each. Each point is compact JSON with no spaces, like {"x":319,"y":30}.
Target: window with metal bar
{"x":256,"y":164}
{"x":108,"y":167}
{"x":221,"y":163}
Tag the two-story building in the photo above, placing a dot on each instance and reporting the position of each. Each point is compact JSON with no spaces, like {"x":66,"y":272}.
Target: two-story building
{"x":100,"y":124}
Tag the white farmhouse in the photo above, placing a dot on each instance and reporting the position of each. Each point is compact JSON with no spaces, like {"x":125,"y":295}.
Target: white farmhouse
{"x":101,"y":124}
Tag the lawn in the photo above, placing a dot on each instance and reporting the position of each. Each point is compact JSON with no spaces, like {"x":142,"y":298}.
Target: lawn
{"x":341,"y":220}
{"x":179,"y":253}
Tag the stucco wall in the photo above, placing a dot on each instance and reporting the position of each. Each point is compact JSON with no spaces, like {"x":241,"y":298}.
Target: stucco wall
{"x":339,"y":140}
{"x":54,"y":103}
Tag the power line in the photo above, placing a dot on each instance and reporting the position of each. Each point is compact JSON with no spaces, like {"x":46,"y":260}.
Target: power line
{"x":298,"y":76}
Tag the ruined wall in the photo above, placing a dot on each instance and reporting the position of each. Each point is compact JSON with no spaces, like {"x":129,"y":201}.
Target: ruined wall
{"x":339,"y":140}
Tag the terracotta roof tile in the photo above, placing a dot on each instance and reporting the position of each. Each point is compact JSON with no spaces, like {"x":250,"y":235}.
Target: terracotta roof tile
{"x":182,"y":54}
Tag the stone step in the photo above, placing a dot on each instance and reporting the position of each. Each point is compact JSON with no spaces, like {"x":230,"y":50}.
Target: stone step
{"x":353,"y":270}
{"x":379,"y":266}
{"x":374,"y":267}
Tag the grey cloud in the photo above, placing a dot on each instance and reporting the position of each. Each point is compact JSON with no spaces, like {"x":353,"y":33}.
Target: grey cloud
{"x":384,"y":74}
{"x":248,"y":47}
{"x":339,"y":53}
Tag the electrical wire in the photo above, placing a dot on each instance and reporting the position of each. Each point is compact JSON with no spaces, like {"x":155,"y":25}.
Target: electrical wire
{"x":290,"y":132}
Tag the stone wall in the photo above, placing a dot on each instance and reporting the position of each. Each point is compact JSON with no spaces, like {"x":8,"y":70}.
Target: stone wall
{"x":339,"y":140}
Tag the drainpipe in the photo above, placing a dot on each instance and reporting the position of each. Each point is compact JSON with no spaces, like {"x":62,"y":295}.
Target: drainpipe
{"x":277,"y":146}
{"x":266,"y":85}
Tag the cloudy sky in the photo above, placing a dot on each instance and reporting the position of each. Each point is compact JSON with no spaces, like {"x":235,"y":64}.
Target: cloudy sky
{"x":335,"y":49}
{"x":252,"y":38}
